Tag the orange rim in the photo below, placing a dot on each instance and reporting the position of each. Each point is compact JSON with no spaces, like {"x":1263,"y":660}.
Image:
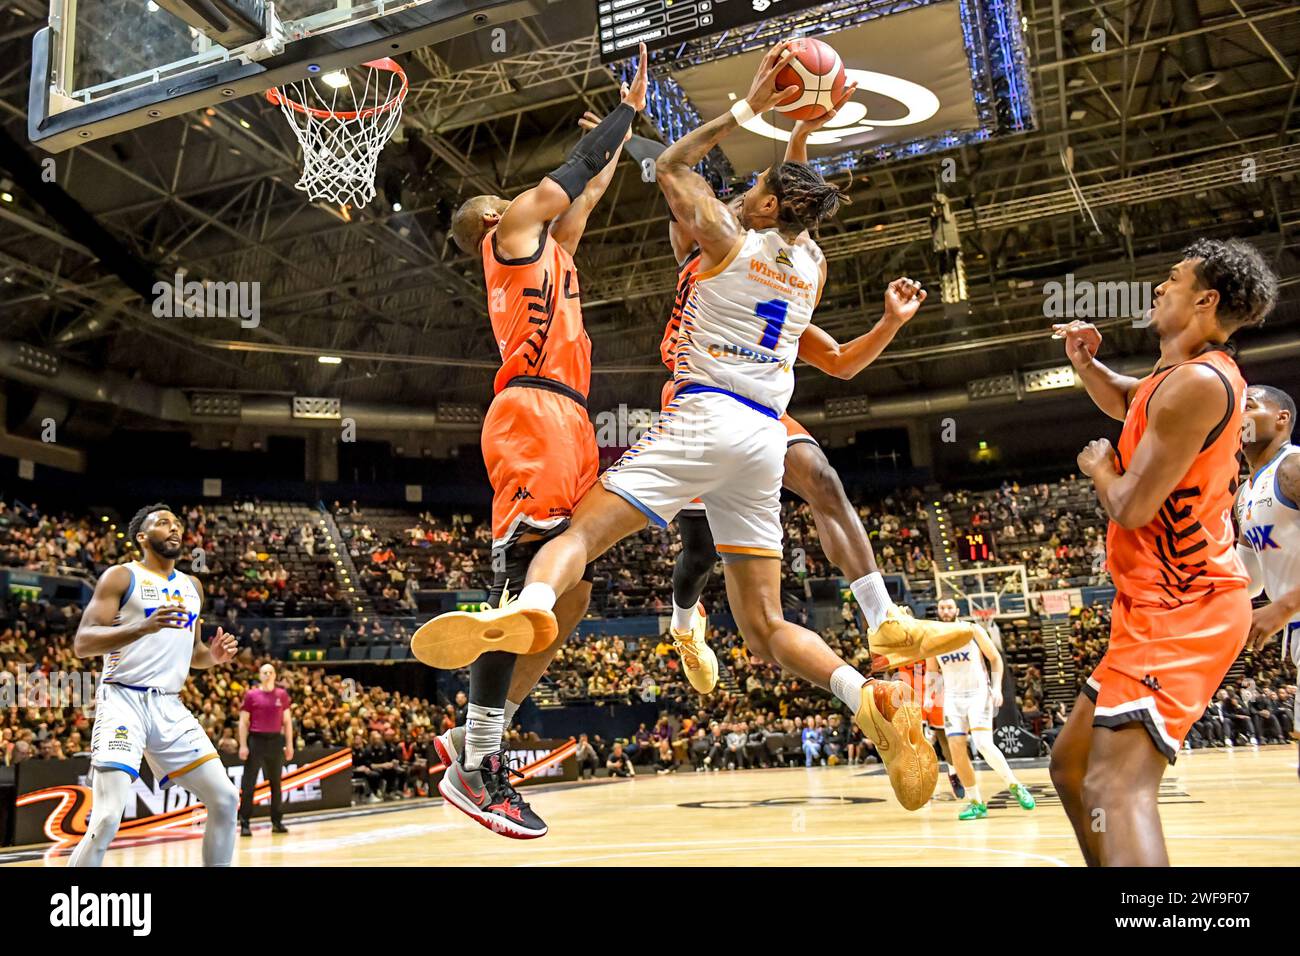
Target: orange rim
{"x":384,"y":63}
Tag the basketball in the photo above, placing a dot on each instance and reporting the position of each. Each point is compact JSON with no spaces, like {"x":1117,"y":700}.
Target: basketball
{"x":817,"y":71}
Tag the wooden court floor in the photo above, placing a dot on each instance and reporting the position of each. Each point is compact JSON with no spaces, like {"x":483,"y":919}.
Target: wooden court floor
{"x":1219,"y":808}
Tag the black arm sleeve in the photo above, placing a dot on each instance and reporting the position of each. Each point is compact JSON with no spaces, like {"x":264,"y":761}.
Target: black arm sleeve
{"x":641,"y":149}
{"x":644,"y":152}
{"x":593,"y":152}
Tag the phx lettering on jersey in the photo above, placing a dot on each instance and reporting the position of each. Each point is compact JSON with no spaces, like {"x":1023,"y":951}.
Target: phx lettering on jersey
{"x":1261,"y":538}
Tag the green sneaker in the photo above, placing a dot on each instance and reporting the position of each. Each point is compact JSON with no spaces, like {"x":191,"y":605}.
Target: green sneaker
{"x":1023,"y":796}
{"x":974,"y":811}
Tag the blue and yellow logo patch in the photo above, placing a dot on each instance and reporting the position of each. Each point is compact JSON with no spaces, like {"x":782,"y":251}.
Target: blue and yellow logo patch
{"x":783,"y":259}
{"x":121,"y":733}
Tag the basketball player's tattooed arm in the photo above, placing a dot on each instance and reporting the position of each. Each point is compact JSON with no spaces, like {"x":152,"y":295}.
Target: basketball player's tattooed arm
{"x":1183,"y":411}
{"x":820,"y":350}
{"x":707,"y":220}
{"x":223,"y":647}
{"x":98,"y":634}
{"x":1109,"y":390}
{"x":1267,"y":621}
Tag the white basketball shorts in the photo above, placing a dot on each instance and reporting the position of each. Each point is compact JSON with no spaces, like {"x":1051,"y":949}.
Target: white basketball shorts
{"x":131,"y":725}
{"x":713,"y":446}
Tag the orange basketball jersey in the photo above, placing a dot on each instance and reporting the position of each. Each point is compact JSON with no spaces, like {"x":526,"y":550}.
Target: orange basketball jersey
{"x":685,"y":283}
{"x":536,"y":315}
{"x":1189,"y":549}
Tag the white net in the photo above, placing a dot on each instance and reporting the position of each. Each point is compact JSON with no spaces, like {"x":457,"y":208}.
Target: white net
{"x":342,"y":121}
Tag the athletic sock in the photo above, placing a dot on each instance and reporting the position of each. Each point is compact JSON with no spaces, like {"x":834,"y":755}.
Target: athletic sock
{"x":973,"y":792}
{"x":682,"y":617}
{"x":872,"y":598}
{"x":847,"y":684}
{"x":538,"y":595}
{"x":483,"y":731}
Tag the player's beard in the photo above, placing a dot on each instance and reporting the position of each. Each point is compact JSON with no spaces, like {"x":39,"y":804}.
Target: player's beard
{"x":167,"y":550}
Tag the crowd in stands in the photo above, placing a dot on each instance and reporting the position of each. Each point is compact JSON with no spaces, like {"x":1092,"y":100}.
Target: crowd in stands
{"x":56,"y":543}
{"x":259,"y":559}
{"x":1056,"y":530}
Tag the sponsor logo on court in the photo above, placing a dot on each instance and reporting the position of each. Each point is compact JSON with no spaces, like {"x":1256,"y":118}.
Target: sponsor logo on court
{"x":75,"y":909}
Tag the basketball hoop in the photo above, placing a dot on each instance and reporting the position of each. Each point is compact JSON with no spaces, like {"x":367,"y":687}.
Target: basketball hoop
{"x":983,"y":615}
{"x":342,"y":129}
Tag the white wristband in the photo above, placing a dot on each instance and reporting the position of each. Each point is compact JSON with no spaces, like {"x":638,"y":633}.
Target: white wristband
{"x":740,"y":109}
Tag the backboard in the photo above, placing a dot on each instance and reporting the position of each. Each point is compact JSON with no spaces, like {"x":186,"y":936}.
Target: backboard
{"x":104,"y":66}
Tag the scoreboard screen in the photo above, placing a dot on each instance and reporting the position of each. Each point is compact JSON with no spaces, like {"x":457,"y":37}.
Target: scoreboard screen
{"x":977,"y":546}
{"x":664,"y":23}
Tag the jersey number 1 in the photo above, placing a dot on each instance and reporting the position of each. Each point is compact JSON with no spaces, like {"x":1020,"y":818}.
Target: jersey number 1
{"x":774,"y":311}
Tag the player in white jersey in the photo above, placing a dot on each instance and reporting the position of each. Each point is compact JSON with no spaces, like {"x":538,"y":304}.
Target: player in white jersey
{"x":969,"y":702}
{"x":1268,"y":514}
{"x":720,"y":438}
{"x":144,"y":621}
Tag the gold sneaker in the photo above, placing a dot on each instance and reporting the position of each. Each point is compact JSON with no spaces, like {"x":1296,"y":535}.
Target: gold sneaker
{"x":902,"y":639}
{"x":698,"y":660}
{"x":889,"y":715}
{"x":457,"y":638}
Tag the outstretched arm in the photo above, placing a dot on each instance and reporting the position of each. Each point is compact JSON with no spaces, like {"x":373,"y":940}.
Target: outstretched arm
{"x":520,"y":229}
{"x":820,"y":350}
{"x":703,"y":218}
{"x":796,"y":150}
{"x":1183,"y":411}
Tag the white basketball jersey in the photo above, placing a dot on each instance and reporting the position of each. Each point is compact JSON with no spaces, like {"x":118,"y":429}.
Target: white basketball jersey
{"x":741,"y":326}
{"x":162,"y":659}
{"x":1270,"y":522}
{"x":963,"y":672}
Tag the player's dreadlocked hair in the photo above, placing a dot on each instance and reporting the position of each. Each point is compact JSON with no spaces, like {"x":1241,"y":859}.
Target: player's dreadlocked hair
{"x":1246,"y":285}
{"x":138,"y":519}
{"x":805,"y":198}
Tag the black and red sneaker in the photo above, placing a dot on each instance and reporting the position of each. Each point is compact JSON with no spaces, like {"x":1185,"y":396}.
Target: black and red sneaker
{"x":486,"y":796}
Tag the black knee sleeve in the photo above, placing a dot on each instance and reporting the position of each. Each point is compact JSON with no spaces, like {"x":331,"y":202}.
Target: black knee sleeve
{"x":696,"y":559}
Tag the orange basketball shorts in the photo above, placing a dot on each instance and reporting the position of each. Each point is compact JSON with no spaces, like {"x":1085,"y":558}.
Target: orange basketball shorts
{"x":541,"y":457}
{"x":1164,"y":664}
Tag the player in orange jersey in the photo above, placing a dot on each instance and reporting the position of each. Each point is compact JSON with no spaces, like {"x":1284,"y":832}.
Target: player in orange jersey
{"x":1182,"y":611}
{"x":538,"y":443}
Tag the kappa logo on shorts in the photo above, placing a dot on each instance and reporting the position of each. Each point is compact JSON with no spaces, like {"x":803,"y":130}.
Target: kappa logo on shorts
{"x":521,"y":493}
{"x":1151,"y":682}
